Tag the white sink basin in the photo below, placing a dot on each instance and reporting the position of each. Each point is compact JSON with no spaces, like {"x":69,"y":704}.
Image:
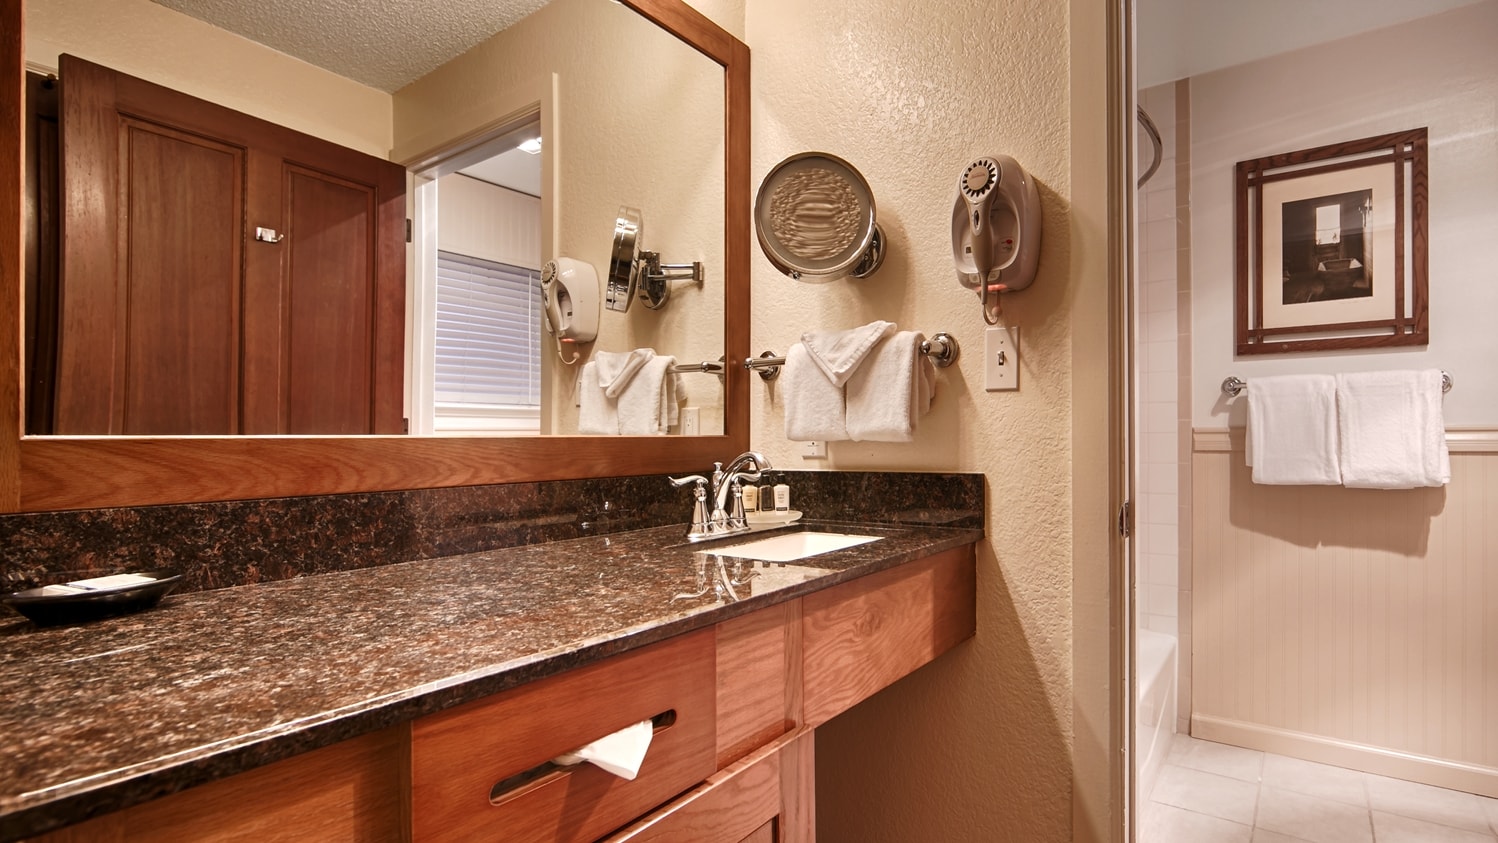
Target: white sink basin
{"x":792,"y":546}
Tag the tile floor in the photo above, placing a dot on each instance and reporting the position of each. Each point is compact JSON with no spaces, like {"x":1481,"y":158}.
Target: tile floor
{"x":1213,"y":793}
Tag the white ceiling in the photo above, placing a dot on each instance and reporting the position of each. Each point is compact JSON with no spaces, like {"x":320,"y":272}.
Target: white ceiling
{"x":1180,"y":38}
{"x":385,"y":44}
{"x":514,"y":169}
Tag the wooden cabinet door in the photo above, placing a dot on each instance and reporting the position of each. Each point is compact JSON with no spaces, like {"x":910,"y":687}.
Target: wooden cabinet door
{"x":175,"y":319}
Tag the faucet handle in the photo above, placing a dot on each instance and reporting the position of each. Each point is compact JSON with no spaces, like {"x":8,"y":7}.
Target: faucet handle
{"x":678,"y":482}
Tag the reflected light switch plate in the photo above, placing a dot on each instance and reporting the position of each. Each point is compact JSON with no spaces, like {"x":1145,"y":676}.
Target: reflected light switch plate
{"x":1001,"y":359}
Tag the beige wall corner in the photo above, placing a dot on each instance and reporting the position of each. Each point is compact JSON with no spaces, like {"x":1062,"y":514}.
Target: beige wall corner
{"x":978,"y":745}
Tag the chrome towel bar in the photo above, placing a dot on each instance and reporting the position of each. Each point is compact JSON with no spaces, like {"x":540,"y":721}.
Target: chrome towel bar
{"x":1233,"y":386}
{"x":941,"y":348}
{"x":710,"y":367}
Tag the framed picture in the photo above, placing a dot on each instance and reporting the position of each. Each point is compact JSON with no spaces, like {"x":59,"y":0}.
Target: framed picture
{"x":1331,"y":247}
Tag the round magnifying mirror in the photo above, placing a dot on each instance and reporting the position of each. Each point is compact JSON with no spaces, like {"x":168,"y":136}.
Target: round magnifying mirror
{"x":624,"y":260}
{"x":814,"y":216}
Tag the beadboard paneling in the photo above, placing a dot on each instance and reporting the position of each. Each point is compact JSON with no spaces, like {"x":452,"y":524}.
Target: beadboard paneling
{"x":1352,"y":617}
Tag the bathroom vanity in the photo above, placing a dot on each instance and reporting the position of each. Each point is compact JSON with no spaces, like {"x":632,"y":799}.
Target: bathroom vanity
{"x":425,"y":700}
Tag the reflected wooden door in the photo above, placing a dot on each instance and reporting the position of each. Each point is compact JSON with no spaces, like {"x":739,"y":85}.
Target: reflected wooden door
{"x":175,"y":318}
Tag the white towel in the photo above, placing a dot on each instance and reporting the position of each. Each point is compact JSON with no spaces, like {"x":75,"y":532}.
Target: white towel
{"x":839,"y":353}
{"x":1292,"y":430}
{"x":617,"y":368}
{"x":891,"y":390}
{"x":647,"y":406}
{"x":814,"y":406}
{"x":1393,"y":435}
{"x":597,"y":414}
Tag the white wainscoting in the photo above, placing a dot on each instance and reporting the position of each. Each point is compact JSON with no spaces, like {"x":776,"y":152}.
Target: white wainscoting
{"x":1349,"y":626}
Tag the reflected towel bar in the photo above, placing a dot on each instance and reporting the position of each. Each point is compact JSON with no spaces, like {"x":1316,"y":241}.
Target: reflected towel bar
{"x":1233,"y":386}
{"x":941,"y":348}
{"x":709,"y":367}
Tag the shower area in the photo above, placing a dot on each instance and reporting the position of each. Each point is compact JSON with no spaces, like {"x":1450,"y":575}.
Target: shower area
{"x":1311,"y":663}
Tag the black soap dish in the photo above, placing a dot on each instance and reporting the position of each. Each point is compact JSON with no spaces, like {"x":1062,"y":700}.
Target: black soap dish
{"x":90,"y":599}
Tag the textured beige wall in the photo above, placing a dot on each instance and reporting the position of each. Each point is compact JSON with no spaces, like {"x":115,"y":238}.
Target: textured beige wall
{"x":976,"y":746}
{"x":639,"y":123}
{"x":169,"y":48}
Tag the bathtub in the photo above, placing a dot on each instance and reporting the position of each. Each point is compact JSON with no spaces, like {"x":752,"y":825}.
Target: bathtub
{"x":1154,"y":706}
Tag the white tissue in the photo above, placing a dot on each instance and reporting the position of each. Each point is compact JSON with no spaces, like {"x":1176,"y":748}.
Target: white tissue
{"x":620,"y":753}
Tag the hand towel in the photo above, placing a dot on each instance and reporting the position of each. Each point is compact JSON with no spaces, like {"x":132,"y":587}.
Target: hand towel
{"x":597,"y":414}
{"x":1393,"y":435}
{"x":1292,"y":430}
{"x":648,"y":404}
{"x":839,"y":353}
{"x":617,"y":368}
{"x":889,"y":393}
{"x":814,"y":406}
{"x":620,"y":753}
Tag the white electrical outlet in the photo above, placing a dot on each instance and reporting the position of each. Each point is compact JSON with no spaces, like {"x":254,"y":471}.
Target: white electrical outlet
{"x":1001,"y":359}
{"x":691,"y":421}
{"x":814,"y":450}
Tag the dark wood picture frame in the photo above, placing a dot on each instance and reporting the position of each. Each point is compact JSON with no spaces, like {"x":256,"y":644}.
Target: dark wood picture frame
{"x":1343,"y":229}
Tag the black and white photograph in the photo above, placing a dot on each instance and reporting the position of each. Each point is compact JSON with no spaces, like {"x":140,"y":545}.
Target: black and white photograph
{"x":1326,"y":248}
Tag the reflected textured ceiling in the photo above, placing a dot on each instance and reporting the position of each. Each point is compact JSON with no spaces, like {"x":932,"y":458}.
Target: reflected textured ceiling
{"x":385,"y":44}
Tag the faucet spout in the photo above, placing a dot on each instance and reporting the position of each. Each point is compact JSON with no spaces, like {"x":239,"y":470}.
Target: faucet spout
{"x":723,"y":478}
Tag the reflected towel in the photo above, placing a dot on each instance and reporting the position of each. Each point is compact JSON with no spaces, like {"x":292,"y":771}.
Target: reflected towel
{"x":617,"y":368}
{"x":889,"y":393}
{"x":597,"y":414}
{"x":814,"y":405}
{"x":1292,"y":430}
{"x":1393,"y":434}
{"x":647,"y":406}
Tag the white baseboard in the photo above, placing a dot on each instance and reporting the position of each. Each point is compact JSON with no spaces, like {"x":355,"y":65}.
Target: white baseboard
{"x":1455,"y":775}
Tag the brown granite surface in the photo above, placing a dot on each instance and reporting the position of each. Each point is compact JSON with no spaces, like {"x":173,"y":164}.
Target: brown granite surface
{"x":230,"y":543}
{"x":109,"y":714}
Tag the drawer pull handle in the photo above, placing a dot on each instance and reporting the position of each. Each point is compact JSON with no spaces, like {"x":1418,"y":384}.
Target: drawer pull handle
{"x":548,"y":771}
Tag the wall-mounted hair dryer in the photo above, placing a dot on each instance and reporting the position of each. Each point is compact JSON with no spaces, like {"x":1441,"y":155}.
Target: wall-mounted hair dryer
{"x":995,"y":230}
{"x":569,"y":289}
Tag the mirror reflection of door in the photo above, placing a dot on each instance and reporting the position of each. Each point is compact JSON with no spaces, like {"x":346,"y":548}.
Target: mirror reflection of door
{"x":233,"y":276}
{"x":478,"y":369}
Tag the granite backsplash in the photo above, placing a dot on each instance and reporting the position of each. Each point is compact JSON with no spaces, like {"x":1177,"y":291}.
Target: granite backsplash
{"x":228,"y":543}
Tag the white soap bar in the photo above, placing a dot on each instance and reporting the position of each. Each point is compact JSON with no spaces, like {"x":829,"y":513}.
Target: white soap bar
{"x":60,"y":590}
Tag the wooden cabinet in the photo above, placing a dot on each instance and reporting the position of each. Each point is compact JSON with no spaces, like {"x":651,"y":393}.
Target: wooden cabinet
{"x":732,"y":759}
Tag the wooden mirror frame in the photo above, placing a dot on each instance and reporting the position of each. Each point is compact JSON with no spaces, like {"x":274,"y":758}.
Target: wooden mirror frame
{"x":52,"y":473}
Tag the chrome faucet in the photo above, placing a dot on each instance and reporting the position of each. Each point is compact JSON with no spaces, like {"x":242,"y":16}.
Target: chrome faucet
{"x":719,"y":506}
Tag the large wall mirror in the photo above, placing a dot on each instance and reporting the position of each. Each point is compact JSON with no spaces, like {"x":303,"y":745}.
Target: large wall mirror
{"x":641,"y":105}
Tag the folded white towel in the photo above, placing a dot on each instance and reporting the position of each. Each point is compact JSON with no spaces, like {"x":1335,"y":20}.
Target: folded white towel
{"x":647,"y":406}
{"x":814,"y":406}
{"x":597,"y":414}
{"x":839,"y":353}
{"x":1393,"y":435}
{"x":891,"y":390}
{"x":1292,"y":430}
{"x":620,"y":753}
{"x":617,"y":368}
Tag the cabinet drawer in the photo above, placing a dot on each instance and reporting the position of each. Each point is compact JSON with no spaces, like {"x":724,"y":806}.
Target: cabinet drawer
{"x":459,"y":757}
{"x":861,"y":636}
{"x":768,"y":795}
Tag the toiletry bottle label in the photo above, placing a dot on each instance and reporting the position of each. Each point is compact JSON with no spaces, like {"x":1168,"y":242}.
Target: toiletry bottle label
{"x":751,"y":499}
{"x":782,"y":497}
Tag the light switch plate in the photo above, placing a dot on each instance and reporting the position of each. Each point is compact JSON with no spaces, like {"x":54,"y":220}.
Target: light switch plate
{"x":1001,"y":359}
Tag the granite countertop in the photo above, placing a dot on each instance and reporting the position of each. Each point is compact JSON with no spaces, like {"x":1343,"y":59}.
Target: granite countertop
{"x":101,"y":716}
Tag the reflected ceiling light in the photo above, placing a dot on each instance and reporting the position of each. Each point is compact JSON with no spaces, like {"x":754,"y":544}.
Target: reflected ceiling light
{"x":533,"y":146}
